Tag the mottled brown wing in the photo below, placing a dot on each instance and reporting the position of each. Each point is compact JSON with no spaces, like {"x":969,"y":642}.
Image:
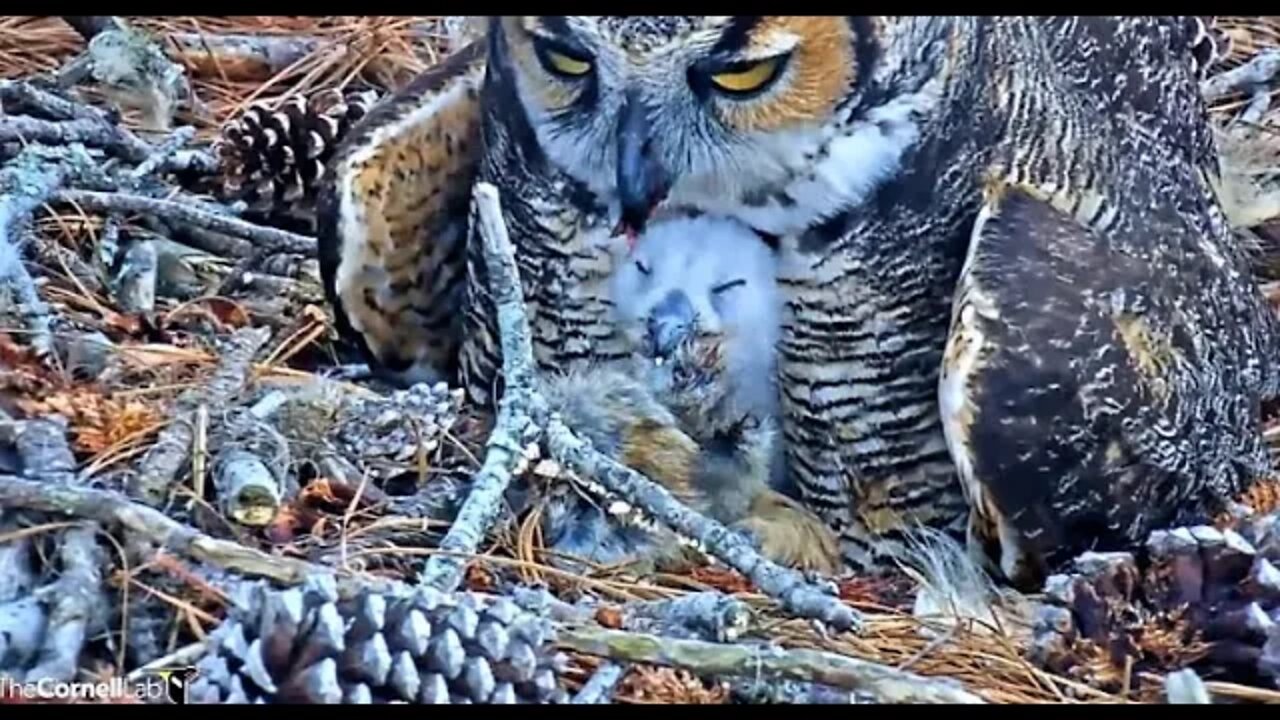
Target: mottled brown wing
{"x":392,"y":220}
{"x":1084,"y":395}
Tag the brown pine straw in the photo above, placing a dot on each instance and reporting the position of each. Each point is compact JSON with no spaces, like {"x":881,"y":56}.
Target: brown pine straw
{"x":378,"y":51}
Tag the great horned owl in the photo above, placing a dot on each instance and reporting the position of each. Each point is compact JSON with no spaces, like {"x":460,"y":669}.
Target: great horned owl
{"x":391,"y":220}
{"x":868,"y":148}
{"x":694,"y":404}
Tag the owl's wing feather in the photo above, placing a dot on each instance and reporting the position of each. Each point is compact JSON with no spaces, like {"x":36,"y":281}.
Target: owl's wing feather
{"x":1078,"y":385}
{"x":392,"y":220}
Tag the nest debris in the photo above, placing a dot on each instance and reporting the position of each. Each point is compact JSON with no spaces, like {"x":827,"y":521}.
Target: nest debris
{"x":172,"y":385}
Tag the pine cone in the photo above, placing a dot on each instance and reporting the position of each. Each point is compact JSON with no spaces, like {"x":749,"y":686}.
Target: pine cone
{"x":303,"y":645}
{"x":274,"y":160}
{"x":1208,"y":598}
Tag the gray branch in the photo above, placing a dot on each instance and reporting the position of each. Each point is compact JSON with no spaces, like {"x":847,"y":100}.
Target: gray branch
{"x":248,"y":492}
{"x":796,"y":594}
{"x":164,"y":152}
{"x":241,"y":57}
{"x":266,"y":238}
{"x":886,"y":684}
{"x":27,"y":183}
{"x":56,"y":495}
{"x":89,"y":132}
{"x":42,"y":446}
{"x":513,"y":428}
{"x":599,"y":689}
{"x":76,"y":599}
{"x":17,"y":95}
{"x":164,"y":460}
{"x":1258,"y":71}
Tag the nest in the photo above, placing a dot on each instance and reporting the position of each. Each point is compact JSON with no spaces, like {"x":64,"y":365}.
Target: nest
{"x":153,"y":343}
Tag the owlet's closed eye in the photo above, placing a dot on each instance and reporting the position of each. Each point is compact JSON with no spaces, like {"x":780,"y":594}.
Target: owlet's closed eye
{"x":727,"y":286}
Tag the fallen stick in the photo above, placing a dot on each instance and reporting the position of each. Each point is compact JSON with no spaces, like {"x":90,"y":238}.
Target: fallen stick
{"x":240,"y":57}
{"x":76,"y":598}
{"x":42,"y":445}
{"x":599,"y":689}
{"x":64,"y":132}
{"x":513,"y":429}
{"x":31,"y":178}
{"x":710,"y":616}
{"x":265,"y":238}
{"x":1258,"y":71}
{"x":886,"y":684}
{"x":119,"y":139}
{"x":164,"y":151}
{"x":163,"y":461}
{"x":797,"y":595}
{"x":55,"y":495}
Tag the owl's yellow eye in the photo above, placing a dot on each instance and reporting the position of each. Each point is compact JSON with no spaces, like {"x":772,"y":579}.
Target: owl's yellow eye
{"x":749,"y":77}
{"x":561,"y":62}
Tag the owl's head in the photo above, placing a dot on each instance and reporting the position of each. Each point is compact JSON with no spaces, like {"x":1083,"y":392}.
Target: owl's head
{"x":778,"y":121}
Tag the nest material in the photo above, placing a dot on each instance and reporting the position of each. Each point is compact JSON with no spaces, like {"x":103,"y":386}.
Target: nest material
{"x":274,"y":160}
{"x":1207,"y":599}
{"x":303,"y":645}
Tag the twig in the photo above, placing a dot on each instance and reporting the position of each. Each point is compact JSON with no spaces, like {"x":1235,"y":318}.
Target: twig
{"x":111,"y":508}
{"x":42,"y":445}
{"x":26,"y":183}
{"x":1258,"y":71}
{"x":76,"y":598}
{"x":886,"y":684}
{"x":797,"y":595}
{"x":119,"y":139}
{"x":135,"y":284}
{"x":164,"y":151}
{"x":64,"y":132}
{"x":266,"y":238}
{"x":16,"y":575}
{"x":599,"y":689}
{"x":167,"y":456}
{"x":240,"y":57}
{"x":710,"y":616}
{"x":30,"y":98}
{"x":513,"y":429}
{"x":248,"y":492}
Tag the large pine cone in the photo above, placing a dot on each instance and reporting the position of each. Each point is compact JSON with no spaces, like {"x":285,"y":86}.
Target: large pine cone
{"x":1204,"y":597}
{"x":303,"y":645}
{"x":274,"y":160}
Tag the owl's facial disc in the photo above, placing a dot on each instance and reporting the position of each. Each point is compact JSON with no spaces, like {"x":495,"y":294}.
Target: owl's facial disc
{"x":681,"y":111}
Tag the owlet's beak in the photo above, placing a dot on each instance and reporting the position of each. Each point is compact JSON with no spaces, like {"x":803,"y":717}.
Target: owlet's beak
{"x":643,"y":182}
{"x":671,"y":322}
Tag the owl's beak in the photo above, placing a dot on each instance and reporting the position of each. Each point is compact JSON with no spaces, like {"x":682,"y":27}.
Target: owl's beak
{"x":642,"y":181}
{"x":670,"y":322}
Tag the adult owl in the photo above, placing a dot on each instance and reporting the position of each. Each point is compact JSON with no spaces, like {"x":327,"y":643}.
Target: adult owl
{"x":1012,"y":302}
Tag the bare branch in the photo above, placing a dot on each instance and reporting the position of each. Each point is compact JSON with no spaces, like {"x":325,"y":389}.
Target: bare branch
{"x":797,"y":595}
{"x":1258,"y":71}
{"x":513,"y":429}
{"x":54,"y":495}
{"x":266,"y":238}
{"x":165,"y":458}
{"x":75,"y":599}
{"x":886,"y":684}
